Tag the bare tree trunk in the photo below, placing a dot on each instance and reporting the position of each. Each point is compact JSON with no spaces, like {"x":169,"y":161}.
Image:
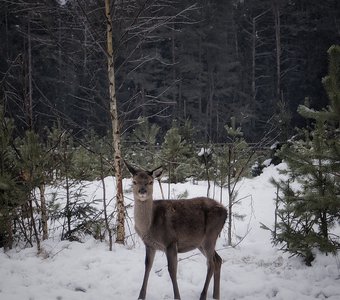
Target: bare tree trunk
{"x":120,"y":237}
{"x":206,"y":165}
{"x":211,"y":104}
{"x":10,"y":232}
{"x":276,"y":11}
{"x":177,"y":109}
{"x":85,"y":48}
{"x":43,"y":211}
{"x":68,"y":199}
{"x":7,"y":231}
{"x":27,"y":78}
{"x":106,"y":218}
{"x":199,"y":76}
{"x":254,"y":39}
{"x":33,"y":224}
{"x":169,"y":180}
{"x":276,"y":210}
{"x":182,"y":100}
{"x":230,"y":194}
{"x":253,"y":83}
{"x":30,"y":99}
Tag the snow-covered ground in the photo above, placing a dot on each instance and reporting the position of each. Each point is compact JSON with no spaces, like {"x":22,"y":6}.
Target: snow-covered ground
{"x":252,"y":270}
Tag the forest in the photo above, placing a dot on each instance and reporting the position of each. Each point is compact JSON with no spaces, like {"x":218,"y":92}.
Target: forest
{"x":175,"y":61}
{"x":203,"y":87}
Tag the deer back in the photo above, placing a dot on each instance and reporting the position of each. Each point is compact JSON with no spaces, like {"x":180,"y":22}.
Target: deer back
{"x":188,"y":222}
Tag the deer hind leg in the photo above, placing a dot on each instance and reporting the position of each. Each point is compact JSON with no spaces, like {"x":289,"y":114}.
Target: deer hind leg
{"x":217,"y":275}
{"x":149,"y":257}
{"x":210,"y":270}
{"x":171,"y":254}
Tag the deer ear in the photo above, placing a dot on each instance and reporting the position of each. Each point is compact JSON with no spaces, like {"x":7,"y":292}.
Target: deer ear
{"x":131,"y":169}
{"x":157,"y":173}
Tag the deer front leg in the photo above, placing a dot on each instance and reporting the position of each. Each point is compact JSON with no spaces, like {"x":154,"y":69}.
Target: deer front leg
{"x":171,"y":254}
{"x":149,"y":257}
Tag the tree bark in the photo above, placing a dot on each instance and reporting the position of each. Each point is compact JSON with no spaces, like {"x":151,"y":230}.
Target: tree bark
{"x":29,"y":70}
{"x":33,"y":224}
{"x":43,"y":210}
{"x":276,"y":12}
{"x":253,"y":82}
{"x":230,"y":194}
{"x":106,"y":217}
{"x":120,"y":230}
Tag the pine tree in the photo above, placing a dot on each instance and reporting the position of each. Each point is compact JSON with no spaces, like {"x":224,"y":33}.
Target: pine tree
{"x":141,"y":145}
{"x":176,"y":155}
{"x":233,"y":161}
{"x":12,"y":191}
{"x":310,"y":202}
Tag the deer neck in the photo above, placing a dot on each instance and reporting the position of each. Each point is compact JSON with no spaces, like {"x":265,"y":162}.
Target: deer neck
{"x":143,"y":216}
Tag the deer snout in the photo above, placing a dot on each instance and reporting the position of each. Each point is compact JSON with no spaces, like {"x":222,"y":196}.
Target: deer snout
{"x":142,"y":193}
{"x":142,"y":190}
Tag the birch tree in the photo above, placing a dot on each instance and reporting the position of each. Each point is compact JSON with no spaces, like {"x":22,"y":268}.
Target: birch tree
{"x":120,"y":230}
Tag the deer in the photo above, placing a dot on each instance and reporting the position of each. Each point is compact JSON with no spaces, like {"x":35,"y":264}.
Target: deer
{"x":176,"y":226}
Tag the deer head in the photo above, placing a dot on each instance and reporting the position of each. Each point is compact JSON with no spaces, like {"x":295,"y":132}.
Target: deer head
{"x":142,"y":182}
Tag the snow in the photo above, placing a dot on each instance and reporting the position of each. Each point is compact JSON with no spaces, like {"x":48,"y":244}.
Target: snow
{"x":251,"y":270}
{"x":267,"y":162}
{"x":62,"y":2}
{"x":204,"y":151}
{"x":274,"y":145}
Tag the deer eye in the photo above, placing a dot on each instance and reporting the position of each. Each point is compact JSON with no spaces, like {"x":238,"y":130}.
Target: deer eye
{"x":134,"y":182}
{"x":150,"y":182}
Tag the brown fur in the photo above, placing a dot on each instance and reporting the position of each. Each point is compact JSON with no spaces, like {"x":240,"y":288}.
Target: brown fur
{"x":176,"y":226}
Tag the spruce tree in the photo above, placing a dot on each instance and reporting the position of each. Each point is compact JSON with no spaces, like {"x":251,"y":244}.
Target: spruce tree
{"x":310,"y":203}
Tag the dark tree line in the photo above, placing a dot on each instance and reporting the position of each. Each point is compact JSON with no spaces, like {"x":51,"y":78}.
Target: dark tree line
{"x":204,"y":61}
